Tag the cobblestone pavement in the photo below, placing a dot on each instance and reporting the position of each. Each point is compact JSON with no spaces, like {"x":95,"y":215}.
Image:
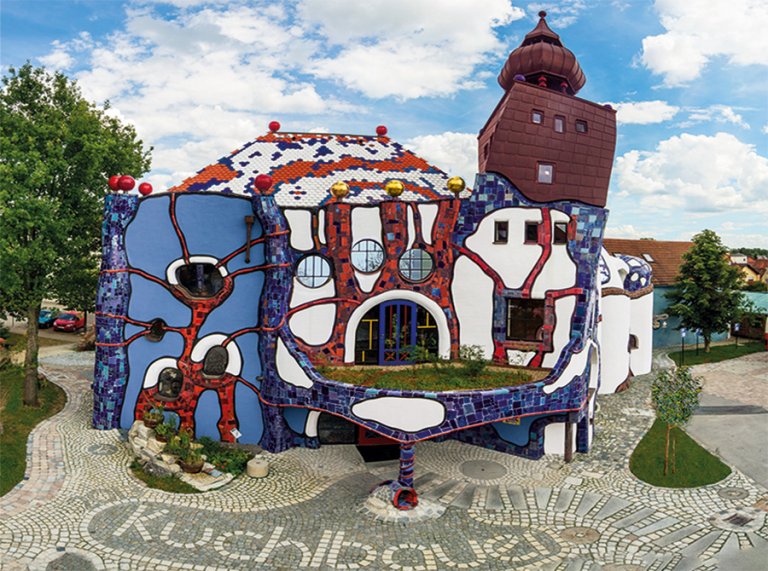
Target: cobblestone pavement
{"x":80,"y":508}
{"x":744,"y":379}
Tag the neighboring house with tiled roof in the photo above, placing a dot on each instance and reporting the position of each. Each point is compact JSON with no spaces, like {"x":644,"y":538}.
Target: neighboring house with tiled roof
{"x":665,"y":258}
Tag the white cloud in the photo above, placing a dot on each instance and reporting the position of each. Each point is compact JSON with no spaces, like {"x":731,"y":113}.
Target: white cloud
{"x":715,"y":113}
{"x":405,"y":49}
{"x":565,"y":13}
{"x":765,"y":129}
{"x":698,"y":31}
{"x":696,"y":173}
{"x":454,"y":153}
{"x":644,"y":112}
{"x":626,"y":231}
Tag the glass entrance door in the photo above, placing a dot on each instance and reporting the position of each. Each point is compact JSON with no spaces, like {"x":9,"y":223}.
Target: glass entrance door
{"x":397,"y":332}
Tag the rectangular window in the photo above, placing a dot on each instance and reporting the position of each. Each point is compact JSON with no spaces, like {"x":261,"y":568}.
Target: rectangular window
{"x":500,"y":232}
{"x":537,"y":117}
{"x":531,"y":232}
{"x":546,"y":173}
{"x":648,"y":258}
{"x":581,"y":126}
{"x":525,"y":319}
{"x":559,"y":123}
{"x":561,"y":233}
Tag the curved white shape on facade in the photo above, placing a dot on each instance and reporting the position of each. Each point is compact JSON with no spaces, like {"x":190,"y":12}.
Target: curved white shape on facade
{"x":514,"y":260}
{"x":321,"y":225}
{"x":564,"y":307}
{"x":152,"y":374}
{"x":408,"y":414}
{"x":310,"y":427}
{"x":302,"y":294}
{"x":641,"y":326}
{"x":559,"y":272}
{"x":575,"y":366}
{"x":472,"y":292}
{"x":444,"y":337}
{"x":617,"y":268}
{"x":314,"y":325}
{"x":519,"y":358}
{"x":614,"y":341}
{"x":411,"y":224}
{"x":366,"y":223}
{"x":428,"y":214}
{"x":300,"y":222}
{"x":200,"y":350}
{"x":288,"y":369}
{"x":170,"y":271}
{"x":367,"y":281}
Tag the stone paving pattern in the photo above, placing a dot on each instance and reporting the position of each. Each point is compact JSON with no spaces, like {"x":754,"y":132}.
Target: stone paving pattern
{"x":81,"y":508}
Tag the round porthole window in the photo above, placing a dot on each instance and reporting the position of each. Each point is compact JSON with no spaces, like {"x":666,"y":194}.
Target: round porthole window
{"x":367,"y":256}
{"x":313,"y":271}
{"x":416,"y":265}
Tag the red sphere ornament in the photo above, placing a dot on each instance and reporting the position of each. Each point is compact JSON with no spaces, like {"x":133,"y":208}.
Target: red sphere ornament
{"x":274,"y":126}
{"x":145,"y":188}
{"x":114,"y":182}
{"x":263,"y":182}
{"x":381,"y":130}
{"x":126,"y":183}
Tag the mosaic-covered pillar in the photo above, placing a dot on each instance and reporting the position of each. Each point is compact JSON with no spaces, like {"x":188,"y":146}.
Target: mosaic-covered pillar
{"x":113,"y":294}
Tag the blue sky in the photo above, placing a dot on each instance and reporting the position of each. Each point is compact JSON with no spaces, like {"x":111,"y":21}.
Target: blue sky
{"x":199,"y":78}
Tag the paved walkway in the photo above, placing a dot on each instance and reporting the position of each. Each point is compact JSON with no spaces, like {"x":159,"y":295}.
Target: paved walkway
{"x":81,"y":508}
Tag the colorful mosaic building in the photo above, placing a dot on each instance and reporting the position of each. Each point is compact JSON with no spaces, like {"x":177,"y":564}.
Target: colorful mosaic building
{"x":223,"y":298}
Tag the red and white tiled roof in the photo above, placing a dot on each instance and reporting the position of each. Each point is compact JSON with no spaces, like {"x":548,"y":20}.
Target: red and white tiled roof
{"x":303,"y":166}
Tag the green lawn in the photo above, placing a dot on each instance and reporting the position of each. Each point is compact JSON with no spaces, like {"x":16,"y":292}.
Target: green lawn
{"x":717,"y":353}
{"x":18,"y":421}
{"x":695,"y":466}
{"x":427,"y":378}
{"x":167,"y":483}
{"x":19,"y":342}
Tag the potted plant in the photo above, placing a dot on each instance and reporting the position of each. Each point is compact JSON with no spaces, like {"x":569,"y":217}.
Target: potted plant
{"x":165,"y":431}
{"x":153,"y":415}
{"x":191,"y":460}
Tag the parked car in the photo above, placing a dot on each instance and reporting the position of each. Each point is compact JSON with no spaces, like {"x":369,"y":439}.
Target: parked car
{"x":47,"y":317}
{"x":69,"y":321}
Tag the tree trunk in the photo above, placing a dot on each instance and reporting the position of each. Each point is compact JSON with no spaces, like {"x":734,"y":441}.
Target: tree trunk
{"x":85,"y":317}
{"x":666,"y":452}
{"x":674,"y":455}
{"x":30,"y":358}
{"x":707,"y":343}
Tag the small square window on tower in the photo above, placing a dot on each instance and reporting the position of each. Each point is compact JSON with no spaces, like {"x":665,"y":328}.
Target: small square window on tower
{"x":559,"y":123}
{"x":537,"y":117}
{"x":546,"y":173}
{"x":501,"y":232}
{"x":531,"y":232}
{"x":561,"y":233}
{"x":581,"y":126}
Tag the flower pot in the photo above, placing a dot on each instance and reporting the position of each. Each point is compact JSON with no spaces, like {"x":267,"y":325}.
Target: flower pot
{"x":151,"y":422}
{"x":191,"y":468}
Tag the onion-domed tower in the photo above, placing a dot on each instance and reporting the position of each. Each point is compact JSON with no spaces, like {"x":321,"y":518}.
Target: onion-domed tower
{"x":549,"y":143}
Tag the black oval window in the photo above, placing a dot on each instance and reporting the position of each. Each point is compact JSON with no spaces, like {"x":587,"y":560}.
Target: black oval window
{"x":200,"y":280}
{"x":169,"y":383}
{"x":156,"y":330}
{"x":216,"y":361}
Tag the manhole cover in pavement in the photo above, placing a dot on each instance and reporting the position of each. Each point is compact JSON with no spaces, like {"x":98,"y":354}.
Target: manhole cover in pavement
{"x":100,"y":449}
{"x":733,"y":493}
{"x":482,"y":469}
{"x":582,"y":535}
{"x":743,"y":520}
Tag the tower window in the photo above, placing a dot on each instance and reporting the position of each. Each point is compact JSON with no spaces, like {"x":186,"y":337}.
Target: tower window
{"x":367,"y":256}
{"x":525,"y":319}
{"x":313,"y":271}
{"x":531,"y":232}
{"x":546,"y":173}
{"x":537,"y":117}
{"x":200,"y":279}
{"x":500,"y":232}
{"x":559,"y":123}
{"x":581,"y":126}
{"x":415,"y":265}
{"x":561,"y":233}
{"x":169,"y":383}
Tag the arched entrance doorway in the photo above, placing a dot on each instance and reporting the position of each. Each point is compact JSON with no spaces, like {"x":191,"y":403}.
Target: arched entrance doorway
{"x":388,"y":333}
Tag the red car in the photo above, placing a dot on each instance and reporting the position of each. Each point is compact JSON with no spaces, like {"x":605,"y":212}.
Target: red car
{"x":69,"y":321}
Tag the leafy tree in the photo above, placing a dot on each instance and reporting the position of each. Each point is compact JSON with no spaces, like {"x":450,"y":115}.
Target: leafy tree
{"x":751,"y":252}
{"x":706,"y":293}
{"x":756,"y":286}
{"x":675,"y":395}
{"x":58,"y":151}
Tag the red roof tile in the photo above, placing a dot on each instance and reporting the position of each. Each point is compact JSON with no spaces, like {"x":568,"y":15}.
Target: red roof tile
{"x":666,"y":256}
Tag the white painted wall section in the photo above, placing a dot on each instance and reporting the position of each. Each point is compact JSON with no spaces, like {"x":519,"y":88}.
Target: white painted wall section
{"x":321,"y":226}
{"x":314,"y":325}
{"x":472,"y":292}
{"x":559,"y":272}
{"x":575,"y":366}
{"x":514,"y":260}
{"x":310,"y":428}
{"x":302,"y":294}
{"x":428,"y":214}
{"x":554,"y":438}
{"x":202,"y":346}
{"x":614,"y":338}
{"x":367,"y":281}
{"x":300,"y":222}
{"x":641,"y":326}
{"x":564,"y":307}
{"x":402,"y":413}
{"x":288,"y":369}
{"x":411,"y":223}
{"x":366,"y":223}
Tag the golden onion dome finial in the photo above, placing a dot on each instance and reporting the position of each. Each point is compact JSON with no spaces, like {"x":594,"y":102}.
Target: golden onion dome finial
{"x":394,"y":188}
{"x":456,"y":185}
{"x":339,"y":189}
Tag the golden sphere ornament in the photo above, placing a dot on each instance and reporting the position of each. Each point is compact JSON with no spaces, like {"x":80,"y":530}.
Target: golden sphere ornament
{"x":456,"y":184}
{"x":394,"y":188}
{"x":339,"y":189}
